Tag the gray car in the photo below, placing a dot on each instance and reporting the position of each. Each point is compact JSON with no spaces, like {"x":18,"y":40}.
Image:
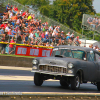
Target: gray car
{"x":72,"y":65}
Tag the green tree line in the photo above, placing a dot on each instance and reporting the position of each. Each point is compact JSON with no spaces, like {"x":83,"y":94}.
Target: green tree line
{"x":67,"y":12}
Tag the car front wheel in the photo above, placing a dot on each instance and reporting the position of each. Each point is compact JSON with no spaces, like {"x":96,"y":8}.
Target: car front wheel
{"x":98,"y":86}
{"x":38,"y":80}
{"x":75,"y":82}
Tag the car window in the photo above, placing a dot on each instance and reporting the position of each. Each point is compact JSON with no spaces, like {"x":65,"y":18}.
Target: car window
{"x":72,"y":53}
{"x":66,"y":52}
{"x":79,"y":54}
{"x":97,"y":57}
{"x":90,"y":57}
{"x":57,"y":52}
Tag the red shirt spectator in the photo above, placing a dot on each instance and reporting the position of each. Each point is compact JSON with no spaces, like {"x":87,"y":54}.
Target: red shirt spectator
{"x":3,"y":25}
{"x":11,"y":45}
{"x":16,"y":9}
{"x":43,"y":35}
{"x":24,"y":13}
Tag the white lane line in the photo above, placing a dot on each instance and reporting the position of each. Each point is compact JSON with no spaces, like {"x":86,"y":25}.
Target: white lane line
{"x":23,"y":78}
{"x":15,"y":68}
{"x":10,"y":77}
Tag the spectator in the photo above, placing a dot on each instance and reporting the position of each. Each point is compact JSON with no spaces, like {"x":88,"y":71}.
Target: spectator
{"x":31,"y":36}
{"x":76,"y":41}
{"x":7,"y":7}
{"x":72,"y":36}
{"x":67,"y":38}
{"x":26,"y":38}
{"x":50,"y":28}
{"x":21,"y":11}
{"x":3,"y":45}
{"x":62,"y":35}
{"x":89,"y":20}
{"x":11,"y":46}
{"x":10,"y":13}
{"x":14,"y":9}
{"x":91,"y":46}
{"x":47,"y":44}
{"x":55,"y":31}
{"x":0,"y":21}
{"x":2,"y":31}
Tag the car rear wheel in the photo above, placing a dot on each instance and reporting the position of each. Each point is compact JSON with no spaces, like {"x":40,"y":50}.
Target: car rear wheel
{"x":38,"y":80}
{"x":75,"y":82}
{"x":98,"y":86}
{"x":63,"y":83}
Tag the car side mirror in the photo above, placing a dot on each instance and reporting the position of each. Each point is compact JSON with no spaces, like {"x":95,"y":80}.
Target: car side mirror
{"x":84,"y":59}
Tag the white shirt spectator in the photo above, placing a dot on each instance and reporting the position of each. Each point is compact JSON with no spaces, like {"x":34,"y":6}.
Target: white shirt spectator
{"x":21,"y":11}
{"x":7,"y":29}
{"x":46,"y":32}
{"x":10,"y":14}
{"x":55,"y":31}
{"x":50,"y":28}
{"x":31,"y":35}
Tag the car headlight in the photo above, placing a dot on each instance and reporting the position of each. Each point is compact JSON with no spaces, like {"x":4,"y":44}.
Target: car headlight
{"x":35,"y":62}
{"x":70,"y":65}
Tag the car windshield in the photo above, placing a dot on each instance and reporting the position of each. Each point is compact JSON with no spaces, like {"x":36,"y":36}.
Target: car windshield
{"x":72,"y":53}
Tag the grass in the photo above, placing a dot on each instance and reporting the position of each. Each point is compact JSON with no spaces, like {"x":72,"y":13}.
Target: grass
{"x":13,"y":55}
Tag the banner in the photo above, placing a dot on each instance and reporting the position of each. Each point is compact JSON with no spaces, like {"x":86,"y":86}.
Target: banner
{"x":33,"y":51}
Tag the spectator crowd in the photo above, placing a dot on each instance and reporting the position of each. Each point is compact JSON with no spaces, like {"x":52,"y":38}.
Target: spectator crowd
{"x":94,"y":23}
{"x":18,"y":26}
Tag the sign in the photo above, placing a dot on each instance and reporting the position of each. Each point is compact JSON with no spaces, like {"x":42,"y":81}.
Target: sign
{"x":33,"y":51}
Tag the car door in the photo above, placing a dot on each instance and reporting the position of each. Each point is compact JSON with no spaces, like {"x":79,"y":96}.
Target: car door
{"x":92,"y":66}
{"x":98,"y":63}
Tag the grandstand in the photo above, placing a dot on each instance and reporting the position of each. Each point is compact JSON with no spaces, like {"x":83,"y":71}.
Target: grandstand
{"x":40,"y":16}
{"x":50,"y":22}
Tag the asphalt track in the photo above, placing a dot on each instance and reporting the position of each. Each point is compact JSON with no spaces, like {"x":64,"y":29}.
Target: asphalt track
{"x":20,"y":79}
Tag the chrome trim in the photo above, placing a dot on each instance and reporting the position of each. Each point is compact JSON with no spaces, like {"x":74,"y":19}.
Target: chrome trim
{"x":52,"y":73}
{"x":53,"y":65}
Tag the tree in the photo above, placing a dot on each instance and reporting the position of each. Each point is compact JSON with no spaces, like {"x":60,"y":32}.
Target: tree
{"x":70,"y":11}
{"x":39,"y":3}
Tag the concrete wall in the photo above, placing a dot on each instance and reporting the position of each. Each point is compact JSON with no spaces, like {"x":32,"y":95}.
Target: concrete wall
{"x":15,"y":61}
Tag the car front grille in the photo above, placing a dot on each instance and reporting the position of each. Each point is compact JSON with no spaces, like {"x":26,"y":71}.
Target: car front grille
{"x":52,"y":69}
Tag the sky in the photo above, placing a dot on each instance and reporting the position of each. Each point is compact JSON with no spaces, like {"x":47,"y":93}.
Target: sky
{"x":96,"y":4}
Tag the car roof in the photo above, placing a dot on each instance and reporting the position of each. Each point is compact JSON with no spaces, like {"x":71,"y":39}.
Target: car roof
{"x":77,"y":47}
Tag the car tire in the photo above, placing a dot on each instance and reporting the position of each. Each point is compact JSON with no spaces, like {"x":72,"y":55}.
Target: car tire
{"x":98,"y":86}
{"x":63,"y":83}
{"x":38,"y":80}
{"x":75,"y":82}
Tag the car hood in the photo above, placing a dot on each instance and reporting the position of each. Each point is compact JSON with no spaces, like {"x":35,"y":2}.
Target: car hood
{"x":56,"y":61}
